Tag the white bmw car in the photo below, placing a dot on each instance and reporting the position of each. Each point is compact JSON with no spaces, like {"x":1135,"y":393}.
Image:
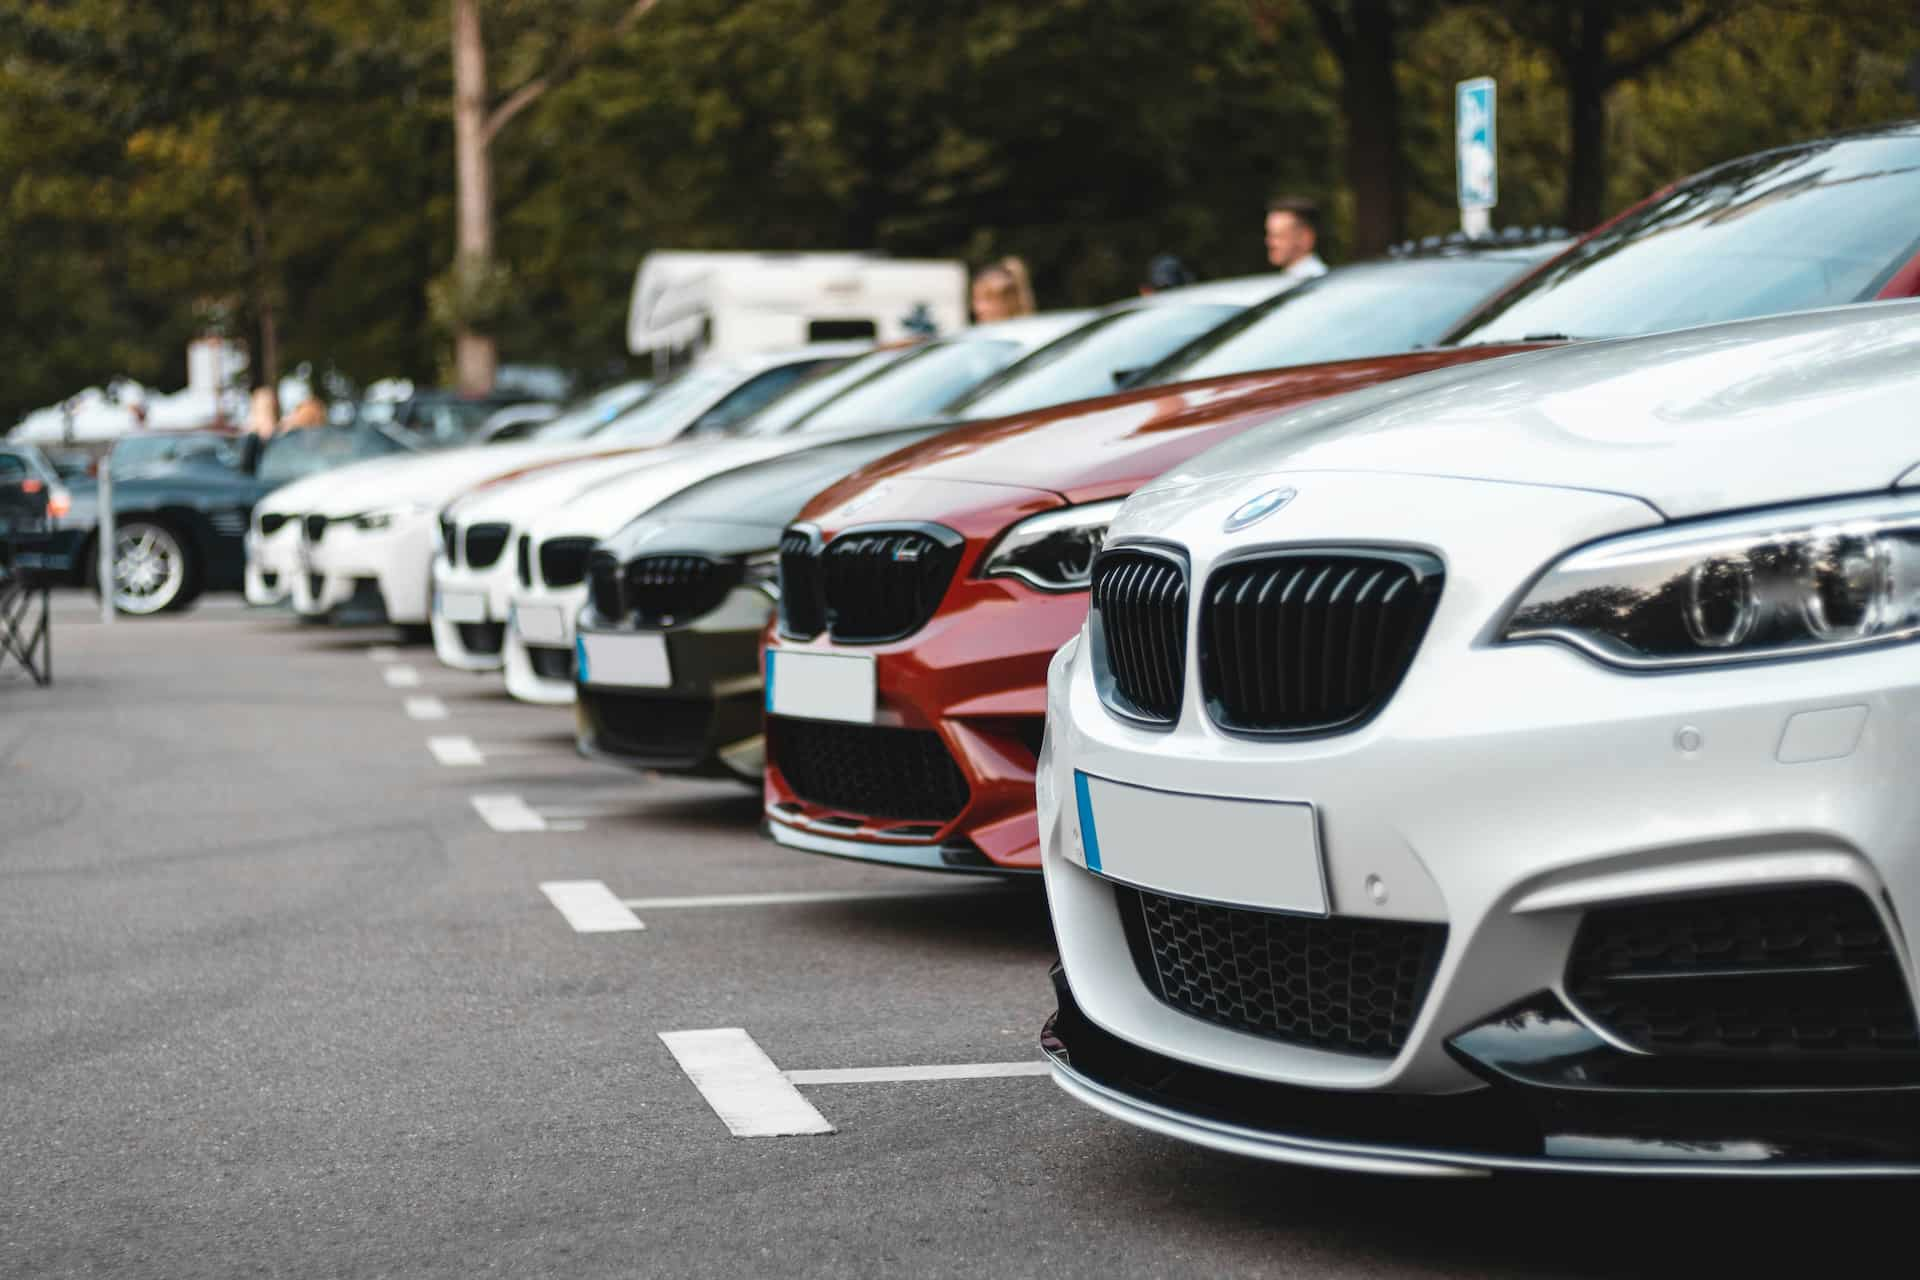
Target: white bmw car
{"x":1508,"y":769}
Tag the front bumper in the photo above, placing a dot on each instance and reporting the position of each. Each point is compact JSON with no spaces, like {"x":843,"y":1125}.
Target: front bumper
{"x":476,"y":640}
{"x":975,"y":676}
{"x":273,"y":560}
{"x":540,"y":669}
{"x":708,"y":721}
{"x":361,"y":576}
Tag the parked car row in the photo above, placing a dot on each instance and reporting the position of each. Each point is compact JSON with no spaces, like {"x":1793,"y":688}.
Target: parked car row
{"x":1454,"y":705}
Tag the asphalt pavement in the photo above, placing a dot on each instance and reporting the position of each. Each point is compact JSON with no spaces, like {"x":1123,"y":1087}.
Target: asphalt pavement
{"x":277,"y":996}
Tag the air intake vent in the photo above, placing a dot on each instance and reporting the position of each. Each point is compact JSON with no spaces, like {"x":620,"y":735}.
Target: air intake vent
{"x":315,"y":527}
{"x":1140,"y":615}
{"x":882,"y":584}
{"x":1314,"y":641}
{"x":871,"y":772}
{"x":604,"y":587}
{"x":485,"y":542}
{"x":1805,"y":972}
{"x":664,"y":591}
{"x":803,"y":614}
{"x":563,"y":561}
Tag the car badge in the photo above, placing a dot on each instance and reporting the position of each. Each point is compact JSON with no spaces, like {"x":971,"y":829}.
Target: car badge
{"x":1254,"y":510}
{"x":906,"y":553}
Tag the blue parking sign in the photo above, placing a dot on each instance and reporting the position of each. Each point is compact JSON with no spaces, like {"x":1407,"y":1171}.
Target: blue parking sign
{"x":1476,"y":165}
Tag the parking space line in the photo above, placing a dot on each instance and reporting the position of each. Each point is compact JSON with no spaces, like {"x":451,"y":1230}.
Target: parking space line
{"x":892,"y":1075}
{"x":402,"y":677}
{"x":742,"y":1085}
{"x":426,"y":709}
{"x":804,"y":896}
{"x":455,"y":752}
{"x":590,"y":906}
{"x":508,"y":813}
{"x":383,"y":653}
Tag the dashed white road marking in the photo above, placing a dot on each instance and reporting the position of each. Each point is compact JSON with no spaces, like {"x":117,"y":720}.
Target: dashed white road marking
{"x":742,"y":1085}
{"x":508,"y":813}
{"x":383,"y":653}
{"x":455,"y":752}
{"x":402,"y":677}
{"x":426,"y":709}
{"x":590,"y":907}
{"x":891,"y":1075}
{"x":811,"y":895}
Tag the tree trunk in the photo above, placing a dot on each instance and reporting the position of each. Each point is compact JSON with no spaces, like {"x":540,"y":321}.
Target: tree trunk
{"x":266,"y":365}
{"x":1370,"y":101}
{"x":1588,"y":80}
{"x":474,"y":355}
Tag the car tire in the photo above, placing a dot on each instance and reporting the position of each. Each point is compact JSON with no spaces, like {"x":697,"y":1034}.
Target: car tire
{"x":153,"y":568}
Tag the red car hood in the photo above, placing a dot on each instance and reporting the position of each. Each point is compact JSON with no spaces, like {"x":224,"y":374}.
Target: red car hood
{"x":1095,"y":449}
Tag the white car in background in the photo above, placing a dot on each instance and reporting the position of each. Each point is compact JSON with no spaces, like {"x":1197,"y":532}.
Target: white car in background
{"x":1547,"y":728}
{"x":367,"y":543}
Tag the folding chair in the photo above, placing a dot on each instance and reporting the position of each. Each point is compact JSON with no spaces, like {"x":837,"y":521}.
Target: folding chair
{"x":25,"y":634}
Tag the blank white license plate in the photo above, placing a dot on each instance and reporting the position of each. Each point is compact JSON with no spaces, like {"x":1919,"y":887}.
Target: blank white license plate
{"x":821,"y":686}
{"x":635,"y":661}
{"x":463,"y":606}
{"x":540,"y":623}
{"x":1251,"y":853}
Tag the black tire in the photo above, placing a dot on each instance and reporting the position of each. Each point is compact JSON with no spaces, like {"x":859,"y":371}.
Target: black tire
{"x":155,"y":568}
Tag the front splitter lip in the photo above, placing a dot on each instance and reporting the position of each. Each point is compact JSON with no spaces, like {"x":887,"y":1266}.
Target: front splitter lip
{"x":917,"y":856}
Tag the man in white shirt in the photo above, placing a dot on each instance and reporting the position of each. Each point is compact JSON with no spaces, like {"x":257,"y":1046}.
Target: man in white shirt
{"x":1292,"y":228}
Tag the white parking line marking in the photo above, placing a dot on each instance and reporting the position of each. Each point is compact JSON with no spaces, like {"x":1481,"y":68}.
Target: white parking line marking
{"x":590,"y":906}
{"x":455,"y":752}
{"x":383,"y":653}
{"x":508,"y":813}
{"x":742,"y":1085}
{"x":402,"y":677}
{"x":426,"y":709}
{"x":819,"y":895}
{"x":890,"y":1075}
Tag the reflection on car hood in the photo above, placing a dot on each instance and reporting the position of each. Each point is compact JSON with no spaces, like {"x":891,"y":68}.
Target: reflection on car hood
{"x":1697,"y":421}
{"x":424,"y":480}
{"x":1095,"y":449}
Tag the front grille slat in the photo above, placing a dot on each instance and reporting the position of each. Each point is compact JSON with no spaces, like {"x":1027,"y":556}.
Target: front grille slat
{"x":669,"y":590}
{"x":1139,"y":602}
{"x":485,"y":543}
{"x":1345,"y":984}
{"x":873,"y":585}
{"x":1311,"y":641}
{"x":802,"y":612}
{"x":866,"y":770}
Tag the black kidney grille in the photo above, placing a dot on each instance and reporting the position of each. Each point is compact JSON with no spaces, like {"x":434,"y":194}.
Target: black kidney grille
{"x":485,"y":542}
{"x":1310,"y":642}
{"x":604,"y":587}
{"x":1783,"y":972}
{"x":665,"y":590}
{"x":316,"y":528}
{"x":523,"y":560}
{"x":868,"y":771}
{"x":1342,"y":983}
{"x":563,"y":561}
{"x":270,"y":523}
{"x":803,"y":614}
{"x":1140,"y":602}
{"x":883,"y":584}
{"x":450,"y":539}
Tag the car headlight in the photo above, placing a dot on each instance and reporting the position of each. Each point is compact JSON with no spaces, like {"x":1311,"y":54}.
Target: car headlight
{"x":1785,"y":584}
{"x":385,"y":518}
{"x":762,"y":570}
{"x":1053,"y":551}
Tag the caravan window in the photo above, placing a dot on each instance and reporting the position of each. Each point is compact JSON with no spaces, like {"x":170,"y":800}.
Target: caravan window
{"x":841,"y":331}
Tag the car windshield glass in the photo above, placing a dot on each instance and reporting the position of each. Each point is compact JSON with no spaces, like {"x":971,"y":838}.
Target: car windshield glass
{"x":1370,"y":309}
{"x":138,"y":453}
{"x":440,"y":421}
{"x":1096,"y":359}
{"x":666,"y":413}
{"x":594,"y":413}
{"x":1811,"y":227}
{"x":918,"y":387}
{"x":754,"y":394}
{"x":796,"y":404}
{"x":303,"y":453}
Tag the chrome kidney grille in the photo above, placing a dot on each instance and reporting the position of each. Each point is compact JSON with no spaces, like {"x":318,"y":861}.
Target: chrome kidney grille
{"x":1139,"y":605}
{"x":1311,"y":641}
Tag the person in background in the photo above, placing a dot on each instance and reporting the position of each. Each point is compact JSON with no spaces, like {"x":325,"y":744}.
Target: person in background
{"x":263,"y":411}
{"x":311,"y":412}
{"x":1002,"y":290}
{"x":1166,"y":272}
{"x":1293,"y":228}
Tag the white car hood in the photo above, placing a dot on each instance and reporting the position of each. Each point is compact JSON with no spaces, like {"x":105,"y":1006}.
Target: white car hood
{"x":604,"y":507}
{"x":433,"y":479}
{"x":1751,"y":414}
{"x":518,"y":498}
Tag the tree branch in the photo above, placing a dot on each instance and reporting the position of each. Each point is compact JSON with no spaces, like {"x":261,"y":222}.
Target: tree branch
{"x":562,"y":71}
{"x":1653,"y":55}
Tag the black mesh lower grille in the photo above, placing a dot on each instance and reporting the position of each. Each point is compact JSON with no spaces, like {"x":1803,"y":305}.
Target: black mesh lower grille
{"x":1139,"y":603}
{"x":868,"y":771}
{"x":666,"y":590}
{"x":1342,"y":983}
{"x":803,"y":614}
{"x":563,"y":561}
{"x":1774,"y":973}
{"x":482,"y":637}
{"x":883,"y":584}
{"x":485,"y":542}
{"x":550,"y":662}
{"x":651,"y":728}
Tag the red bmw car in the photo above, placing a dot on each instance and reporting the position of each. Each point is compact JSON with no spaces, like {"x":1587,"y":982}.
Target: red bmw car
{"x":923,"y":596}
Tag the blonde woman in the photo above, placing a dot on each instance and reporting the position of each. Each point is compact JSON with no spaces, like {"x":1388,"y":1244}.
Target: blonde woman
{"x":1001,"y":290}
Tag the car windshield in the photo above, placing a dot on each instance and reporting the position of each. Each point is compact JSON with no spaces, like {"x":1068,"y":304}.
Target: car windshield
{"x":666,"y":413}
{"x":138,"y":453}
{"x":796,"y":404}
{"x":439,"y":421}
{"x":1369,"y":309}
{"x":1814,"y":226}
{"x":593,"y":413}
{"x":294,"y":454}
{"x":917,"y":387}
{"x":1096,"y":359}
{"x":756,"y":393}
